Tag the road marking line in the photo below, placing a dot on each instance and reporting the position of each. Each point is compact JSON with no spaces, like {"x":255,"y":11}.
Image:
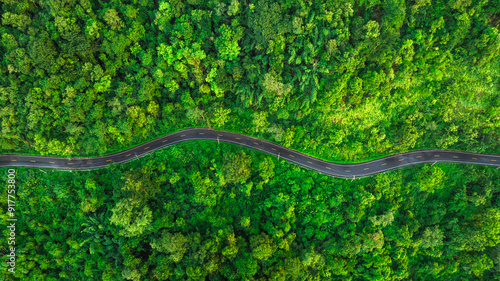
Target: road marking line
{"x":347,"y":171}
{"x":201,"y":133}
{"x":70,"y":163}
{"x":474,"y":158}
{"x":164,"y":140}
{"x":291,"y":155}
{"x":366,"y":169}
{"x":13,"y":160}
{"x":384,"y":164}
{"x":256,"y":143}
{"x":237,"y":138}
{"x":127,"y":155}
{"x":419,"y":156}
{"x":273,"y":149}
{"x":309,"y":162}
{"x":108,"y":160}
{"x":455,"y":156}
{"x":146,"y":148}
{"x":32,"y":161}
{"x":49,"y":162}
{"x":328,"y":168}
{"x":183,"y":136}
{"x":436,"y":155}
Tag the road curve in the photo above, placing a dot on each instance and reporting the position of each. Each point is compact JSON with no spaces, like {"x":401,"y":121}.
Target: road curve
{"x":329,"y":168}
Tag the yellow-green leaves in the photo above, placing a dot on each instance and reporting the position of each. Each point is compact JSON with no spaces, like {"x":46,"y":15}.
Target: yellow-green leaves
{"x":227,"y":42}
{"x":112,"y":18}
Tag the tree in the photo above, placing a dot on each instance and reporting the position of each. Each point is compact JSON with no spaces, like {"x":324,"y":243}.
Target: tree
{"x":432,"y":237}
{"x":16,"y":20}
{"x":245,"y":265}
{"x":173,"y":244}
{"x":268,"y":23}
{"x":494,"y":254}
{"x":259,"y":121}
{"x":234,"y":8}
{"x":262,"y":246}
{"x":482,"y":231}
{"x":431,"y":178}
{"x":237,"y":168}
{"x":134,"y":219}
{"x":136,"y":32}
{"x":220,"y":116}
{"x":131,"y":274}
{"x":232,"y":249}
{"x":294,"y":267}
{"x":42,"y":52}
{"x":479,"y":264}
{"x":112,"y":18}
{"x":227,"y":43}
{"x":103,"y":85}
{"x":373,"y":241}
{"x":195,"y":114}
{"x":383,"y":220}
{"x":312,"y":259}
{"x":273,"y":88}
{"x":372,"y":29}
{"x":266,"y":169}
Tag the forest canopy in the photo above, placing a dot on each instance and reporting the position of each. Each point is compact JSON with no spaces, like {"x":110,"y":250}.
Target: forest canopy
{"x":342,"y":80}
{"x":181,"y":215}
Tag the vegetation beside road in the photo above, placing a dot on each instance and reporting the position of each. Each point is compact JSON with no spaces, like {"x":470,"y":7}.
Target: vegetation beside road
{"x":202,"y":210}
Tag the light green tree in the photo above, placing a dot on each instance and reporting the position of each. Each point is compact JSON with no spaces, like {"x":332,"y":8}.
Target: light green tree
{"x":431,"y":178}
{"x":372,"y":29}
{"x":433,"y":237}
{"x":266,"y":169}
{"x":259,"y":121}
{"x":132,"y":218}
{"x":234,"y":8}
{"x":112,"y":18}
{"x":131,"y":274}
{"x":262,"y":246}
{"x":383,"y":220}
{"x":174,"y":244}
{"x":272,"y":87}
{"x":227,"y":43}
{"x":237,"y":168}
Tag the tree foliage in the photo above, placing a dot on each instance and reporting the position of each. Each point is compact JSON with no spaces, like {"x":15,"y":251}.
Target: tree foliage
{"x":362,"y":79}
{"x":176,"y":215}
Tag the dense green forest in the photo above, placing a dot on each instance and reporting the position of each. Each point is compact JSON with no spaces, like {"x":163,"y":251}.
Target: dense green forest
{"x":208,"y":211}
{"x":342,"y":80}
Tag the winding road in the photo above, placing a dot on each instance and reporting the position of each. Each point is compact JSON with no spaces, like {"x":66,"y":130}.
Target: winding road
{"x":329,"y":168}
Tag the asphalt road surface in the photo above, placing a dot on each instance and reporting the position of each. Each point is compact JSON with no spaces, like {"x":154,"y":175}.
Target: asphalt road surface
{"x":329,"y":168}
